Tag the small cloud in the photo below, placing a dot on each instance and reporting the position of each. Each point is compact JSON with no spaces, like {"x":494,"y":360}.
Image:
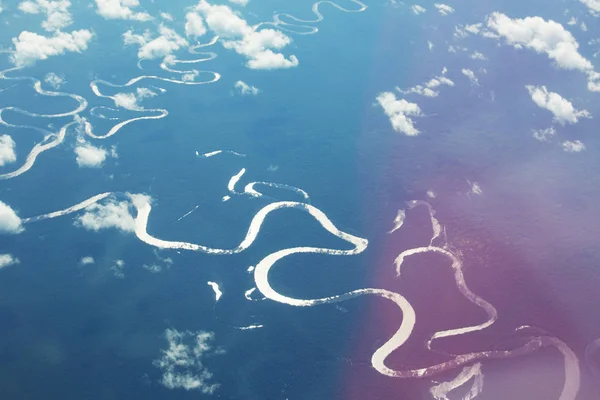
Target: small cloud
{"x":544,"y":37}
{"x":113,"y":214}
{"x":118,"y":269}
{"x":443,"y":9}
{"x":166,"y":16}
{"x":399,"y":113}
{"x":246,"y":89}
{"x":86,"y":260}
{"x":477,"y":56}
{"x":593,"y":6}
{"x":242,"y":3}
{"x":257,"y":46}
{"x":121,"y":9}
{"x":57,"y":12}
{"x":573,"y":146}
{"x":572,"y":21}
{"x":6,"y":260}
{"x":430,"y":45}
{"x":544,"y":134}
{"x":562,"y":109}
{"x":150,"y":48}
{"x":54,"y":80}
{"x":471,"y":75}
{"x":182,"y":363}
{"x":89,"y":156}
{"x":194,"y":25}
{"x":7,"y":150}
{"x":31,"y":47}
{"x":431,"y":87}
{"x":10,"y":223}
{"x":417,"y":9}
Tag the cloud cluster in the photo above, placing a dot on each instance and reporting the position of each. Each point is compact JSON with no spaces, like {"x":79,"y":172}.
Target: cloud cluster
{"x":31,"y":47}
{"x":471,"y":75}
{"x":573,"y":146}
{"x":246,"y":89}
{"x":87,"y":260}
{"x":543,"y":134}
{"x":593,"y":6}
{"x":417,"y":9}
{"x":54,"y":80}
{"x":167,"y":42}
{"x":182,"y":362}
{"x":57,"y":12}
{"x":400,"y":112}
{"x":113,"y":214}
{"x":10,"y":223}
{"x":444,"y":9}
{"x":194,"y":25}
{"x":429,"y":88}
{"x":561,"y":108}
{"x":6,"y":260}
{"x":544,"y":37}
{"x":259,"y":47}
{"x":7,"y":150}
{"x":90,"y":156}
{"x":121,"y":9}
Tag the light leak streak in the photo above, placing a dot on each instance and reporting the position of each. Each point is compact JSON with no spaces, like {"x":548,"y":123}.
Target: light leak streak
{"x":358,"y":245}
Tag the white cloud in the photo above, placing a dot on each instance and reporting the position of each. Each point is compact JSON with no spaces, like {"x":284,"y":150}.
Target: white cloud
{"x":562,"y":109}
{"x":57,"y":12}
{"x":89,"y":156}
{"x":543,"y":36}
{"x":113,"y":214}
{"x":246,"y":89}
{"x":223,"y":21}
{"x":429,"y":45}
{"x":417,"y":9}
{"x":593,"y":6}
{"x":131,"y":101}
{"x":30,"y":47}
{"x":165,"y":44}
{"x":6,"y":260}
{"x":444,"y":9}
{"x":182,"y":363}
{"x":543,"y":134}
{"x":1,"y":8}
{"x":256,"y":46}
{"x":166,"y":16}
{"x":194,"y":25}
{"x":583,"y":27}
{"x":471,"y":75}
{"x":399,"y":113}
{"x":7,"y":150}
{"x":121,"y":9}
{"x":478,"y":56}
{"x":9,"y":220}
{"x":118,"y":269}
{"x":572,"y":21}
{"x":463,"y":31}
{"x":429,"y":89}
{"x":87,"y":260}
{"x":54,"y":80}
{"x":242,"y":3}
{"x":573,"y":146}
